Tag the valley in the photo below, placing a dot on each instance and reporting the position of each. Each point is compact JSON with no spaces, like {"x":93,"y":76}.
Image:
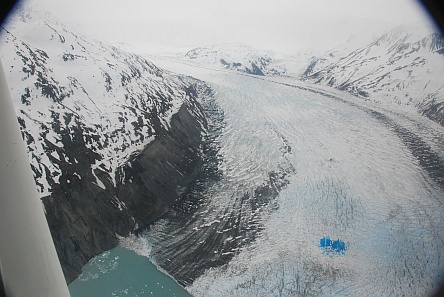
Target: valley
{"x":352,"y":172}
{"x":237,"y":172}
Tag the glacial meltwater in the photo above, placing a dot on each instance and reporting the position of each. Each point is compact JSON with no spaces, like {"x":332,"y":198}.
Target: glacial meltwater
{"x":332,"y":247}
{"x":122,"y":272}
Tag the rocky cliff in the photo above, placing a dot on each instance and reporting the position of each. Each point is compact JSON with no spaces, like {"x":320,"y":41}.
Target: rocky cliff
{"x":86,"y":219}
{"x":113,"y":140}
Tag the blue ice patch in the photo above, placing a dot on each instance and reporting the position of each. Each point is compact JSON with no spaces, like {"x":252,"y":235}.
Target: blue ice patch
{"x":332,"y":246}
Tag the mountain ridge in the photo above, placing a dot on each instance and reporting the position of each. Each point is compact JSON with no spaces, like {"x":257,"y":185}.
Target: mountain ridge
{"x":236,"y":56}
{"x":95,"y":121}
{"x":398,"y":69}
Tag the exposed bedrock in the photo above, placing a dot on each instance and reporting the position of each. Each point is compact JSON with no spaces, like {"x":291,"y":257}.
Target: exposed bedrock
{"x":85,"y":219}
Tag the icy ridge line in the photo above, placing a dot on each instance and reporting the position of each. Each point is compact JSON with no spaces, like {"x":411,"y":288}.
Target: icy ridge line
{"x":398,"y":69}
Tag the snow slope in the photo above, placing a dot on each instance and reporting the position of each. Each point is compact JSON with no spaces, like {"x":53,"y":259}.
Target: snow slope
{"x":112,"y":139}
{"x":353,"y":172}
{"x":62,"y":82}
{"x":238,"y":57}
{"x":402,"y":68}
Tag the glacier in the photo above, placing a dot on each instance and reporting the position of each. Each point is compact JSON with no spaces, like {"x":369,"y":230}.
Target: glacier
{"x":345,"y":173}
{"x":240,"y":185}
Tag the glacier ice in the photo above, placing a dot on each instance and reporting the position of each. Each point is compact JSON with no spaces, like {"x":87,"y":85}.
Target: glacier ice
{"x":354,"y":180}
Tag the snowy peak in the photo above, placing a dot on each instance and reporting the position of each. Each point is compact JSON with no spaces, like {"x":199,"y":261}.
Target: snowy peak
{"x":113,"y":140}
{"x":68,"y":89}
{"x":233,"y":50}
{"x":236,"y":56}
{"x":398,"y":68}
{"x":434,"y":43}
{"x":400,"y":39}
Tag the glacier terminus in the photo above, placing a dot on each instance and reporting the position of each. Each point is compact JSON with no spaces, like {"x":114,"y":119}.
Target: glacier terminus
{"x":236,"y":171}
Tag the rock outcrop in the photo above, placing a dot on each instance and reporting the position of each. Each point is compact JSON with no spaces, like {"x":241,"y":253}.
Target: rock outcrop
{"x":86,"y":219}
{"x":113,"y":140}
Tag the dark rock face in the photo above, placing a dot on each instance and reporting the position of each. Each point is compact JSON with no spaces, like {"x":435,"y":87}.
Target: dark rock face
{"x":113,"y":140}
{"x":152,"y":182}
{"x":81,"y":215}
{"x":86,"y":219}
{"x":255,"y":70}
{"x":194,"y":235}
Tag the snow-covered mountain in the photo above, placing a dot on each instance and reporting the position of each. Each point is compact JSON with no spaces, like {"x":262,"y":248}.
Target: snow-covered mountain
{"x":95,"y":119}
{"x":402,"y":68}
{"x":258,"y":188}
{"x":62,"y":81}
{"x":238,"y":57}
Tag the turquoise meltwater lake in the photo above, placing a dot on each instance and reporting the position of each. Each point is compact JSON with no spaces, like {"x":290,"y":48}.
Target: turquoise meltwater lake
{"x":122,"y":272}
